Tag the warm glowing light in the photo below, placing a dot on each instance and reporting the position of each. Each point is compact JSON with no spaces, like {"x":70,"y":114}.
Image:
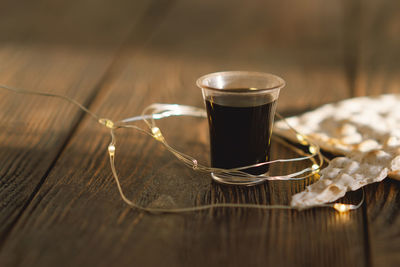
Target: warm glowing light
{"x":195,"y":164}
{"x":342,"y":207}
{"x":111,"y":150}
{"x":108,"y":123}
{"x":157,"y":134}
{"x":301,"y":139}
{"x":312,"y":149}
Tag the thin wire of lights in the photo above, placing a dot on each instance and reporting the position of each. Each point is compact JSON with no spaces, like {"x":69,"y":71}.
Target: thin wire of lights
{"x":160,"y":111}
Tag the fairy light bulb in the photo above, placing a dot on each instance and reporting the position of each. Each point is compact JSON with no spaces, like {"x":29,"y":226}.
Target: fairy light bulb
{"x":195,"y":164}
{"x":301,"y":139}
{"x":108,"y":123}
{"x":111,"y":150}
{"x":157,"y":134}
{"x":342,"y":207}
{"x":315,"y":167}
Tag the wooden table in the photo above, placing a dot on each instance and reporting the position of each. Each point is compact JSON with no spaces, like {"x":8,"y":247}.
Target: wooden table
{"x":59,"y":203}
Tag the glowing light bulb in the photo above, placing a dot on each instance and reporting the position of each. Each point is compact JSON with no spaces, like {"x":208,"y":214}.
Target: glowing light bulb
{"x":111,"y":150}
{"x":342,"y":207}
{"x":312,"y":149}
{"x":108,"y":123}
{"x":195,"y":164}
{"x":157,"y":134}
{"x":301,"y":139}
{"x":315,"y":167}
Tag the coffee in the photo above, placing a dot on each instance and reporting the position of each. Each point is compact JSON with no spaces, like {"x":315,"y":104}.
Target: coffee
{"x":240,"y":135}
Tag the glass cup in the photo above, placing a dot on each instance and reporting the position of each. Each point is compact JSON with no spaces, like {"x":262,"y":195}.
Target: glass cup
{"x":240,"y":109}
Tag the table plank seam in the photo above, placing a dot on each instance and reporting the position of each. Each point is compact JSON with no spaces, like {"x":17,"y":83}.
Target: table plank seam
{"x":367,"y":243}
{"x":80,"y":117}
{"x":153,"y":10}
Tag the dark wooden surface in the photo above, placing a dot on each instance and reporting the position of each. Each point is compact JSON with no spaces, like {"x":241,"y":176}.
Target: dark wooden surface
{"x":379,"y":72}
{"x":59,"y":203}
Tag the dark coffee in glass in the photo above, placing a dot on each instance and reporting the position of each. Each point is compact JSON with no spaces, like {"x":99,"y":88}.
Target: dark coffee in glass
{"x":240,"y":107}
{"x":240,"y":136}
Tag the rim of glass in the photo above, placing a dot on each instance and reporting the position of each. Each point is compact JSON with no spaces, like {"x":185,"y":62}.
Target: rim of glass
{"x":281,"y":82}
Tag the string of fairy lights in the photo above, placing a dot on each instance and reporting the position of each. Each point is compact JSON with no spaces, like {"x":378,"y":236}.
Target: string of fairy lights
{"x":160,"y":111}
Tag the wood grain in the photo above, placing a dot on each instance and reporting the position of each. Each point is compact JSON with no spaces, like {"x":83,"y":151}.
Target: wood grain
{"x":77,"y":216}
{"x":378,"y":66}
{"x":35,"y":130}
{"x":378,"y":73}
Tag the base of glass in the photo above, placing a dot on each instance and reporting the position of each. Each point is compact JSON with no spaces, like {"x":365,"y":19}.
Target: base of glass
{"x":232,"y":180}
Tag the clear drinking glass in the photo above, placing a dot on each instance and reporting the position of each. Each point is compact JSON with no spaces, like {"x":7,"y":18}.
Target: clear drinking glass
{"x":240,"y":108}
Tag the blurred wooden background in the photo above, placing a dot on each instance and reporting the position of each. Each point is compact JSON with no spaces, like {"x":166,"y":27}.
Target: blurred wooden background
{"x":59,"y":204}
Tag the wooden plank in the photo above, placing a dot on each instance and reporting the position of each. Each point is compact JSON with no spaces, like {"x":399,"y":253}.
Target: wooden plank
{"x":378,"y":73}
{"x":378,"y":65}
{"x":78,"y":215}
{"x":48,"y":47}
